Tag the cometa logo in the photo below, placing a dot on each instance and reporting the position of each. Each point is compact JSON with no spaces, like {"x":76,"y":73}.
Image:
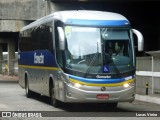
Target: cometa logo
{"x":38,"y":59}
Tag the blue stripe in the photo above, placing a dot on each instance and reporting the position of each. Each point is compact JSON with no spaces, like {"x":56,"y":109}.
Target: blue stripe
{"x":98,"y":22}
{"x":27,"y":58}
{"x":97,"y":81}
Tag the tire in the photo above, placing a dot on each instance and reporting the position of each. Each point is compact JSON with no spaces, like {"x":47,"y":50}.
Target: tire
{"x":28,"y":92}
{"x":112,"y":105}
{"x":54,"y":101}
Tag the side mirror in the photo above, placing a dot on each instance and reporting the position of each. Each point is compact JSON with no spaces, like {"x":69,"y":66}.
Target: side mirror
{"x":140,"y":39}
{"x":61,"y":38}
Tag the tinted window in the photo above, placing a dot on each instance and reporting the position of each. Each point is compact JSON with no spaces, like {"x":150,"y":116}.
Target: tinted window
{"x":25,"y":42}
{"x":37,"y":38}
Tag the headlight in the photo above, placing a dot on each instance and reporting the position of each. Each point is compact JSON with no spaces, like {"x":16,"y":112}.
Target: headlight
{"x":77,"y":85}
{"x":126,"y":85}
{"x":130,"y":81}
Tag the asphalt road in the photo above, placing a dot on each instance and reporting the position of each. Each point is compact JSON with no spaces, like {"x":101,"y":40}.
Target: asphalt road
{"x":12,"y":98}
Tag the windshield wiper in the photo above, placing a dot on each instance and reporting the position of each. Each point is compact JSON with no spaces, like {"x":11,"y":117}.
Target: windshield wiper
{"x":91,"y":64}
{"x":92,"y":61}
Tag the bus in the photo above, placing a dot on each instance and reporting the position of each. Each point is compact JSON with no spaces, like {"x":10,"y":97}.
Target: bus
{"x":79,"y":56}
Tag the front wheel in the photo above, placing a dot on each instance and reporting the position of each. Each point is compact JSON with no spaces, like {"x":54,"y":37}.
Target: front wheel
{"x":54,"y":101}
{"x":28,"y":92}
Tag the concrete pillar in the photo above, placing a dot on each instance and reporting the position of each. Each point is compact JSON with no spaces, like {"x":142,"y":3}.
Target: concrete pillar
{"x":48,"y":7}
{"x":1,"y":58}
{"x":11,"y":55}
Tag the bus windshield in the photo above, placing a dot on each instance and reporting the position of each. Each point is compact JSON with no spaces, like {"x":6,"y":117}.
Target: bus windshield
{"x":98,"y":50}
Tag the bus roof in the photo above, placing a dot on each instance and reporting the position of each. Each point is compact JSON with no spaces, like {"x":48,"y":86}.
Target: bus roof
{"x":75,"y":15}
{"x":88,"y":15}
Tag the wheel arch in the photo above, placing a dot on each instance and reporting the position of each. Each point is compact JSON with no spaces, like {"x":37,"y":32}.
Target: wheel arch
{"x":25,"y":77}
{"x":51,"y":84}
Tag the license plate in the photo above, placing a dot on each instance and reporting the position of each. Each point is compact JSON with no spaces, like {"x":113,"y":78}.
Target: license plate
{"x":102,"y":96}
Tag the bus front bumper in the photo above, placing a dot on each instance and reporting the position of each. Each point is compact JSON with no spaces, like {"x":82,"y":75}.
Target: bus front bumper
{"x":88,"y":94}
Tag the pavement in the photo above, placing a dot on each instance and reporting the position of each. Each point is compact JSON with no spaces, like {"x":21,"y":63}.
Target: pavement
{"x":155,"y":98}
{"x":149,"y":98}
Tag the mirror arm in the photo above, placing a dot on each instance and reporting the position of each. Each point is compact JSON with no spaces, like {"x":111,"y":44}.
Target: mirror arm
{"x":140,"y":39}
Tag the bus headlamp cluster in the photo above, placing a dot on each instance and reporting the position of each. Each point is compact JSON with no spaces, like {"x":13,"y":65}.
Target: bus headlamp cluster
{"x":77,"y":85}
{"x":126,"y":85}
{"x":131,"y":83}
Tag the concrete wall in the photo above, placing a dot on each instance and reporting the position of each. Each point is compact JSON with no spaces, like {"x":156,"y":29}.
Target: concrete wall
{"x":156,"y":64}
{"x":22,"y":9}
{"x":59,"y":6}
{"x":14,"y":69}
{"x":148,"y":71}
{"x":11,"y":25}
{"x":15,"y":14}
{"x":144,"y":64}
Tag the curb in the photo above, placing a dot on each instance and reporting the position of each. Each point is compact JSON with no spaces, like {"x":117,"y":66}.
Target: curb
{"x":150,"y":99}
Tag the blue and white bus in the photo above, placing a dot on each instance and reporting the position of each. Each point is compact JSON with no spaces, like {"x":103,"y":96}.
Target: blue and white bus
{"x":79,"y":56}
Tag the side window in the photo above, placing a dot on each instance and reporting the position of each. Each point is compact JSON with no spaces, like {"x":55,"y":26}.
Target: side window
{"x":25,"y":41}
{"x":37,"y":38}
{"x":36,"y":35}
{"x":46,"y":37}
